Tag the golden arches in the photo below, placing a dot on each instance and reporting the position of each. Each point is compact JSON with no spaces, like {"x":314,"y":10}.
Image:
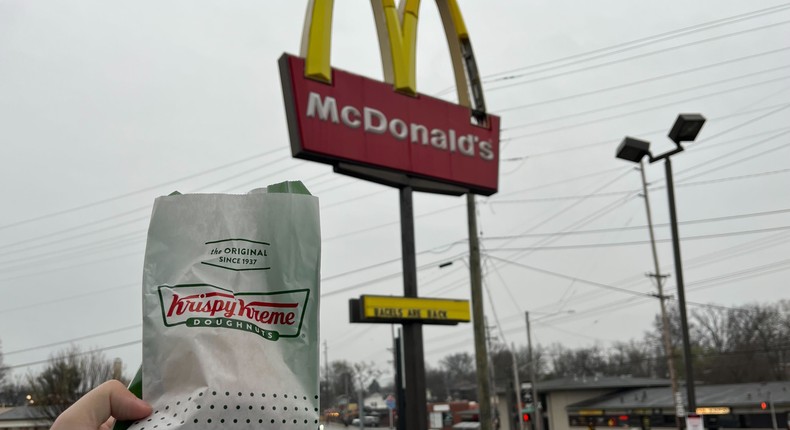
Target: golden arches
{"x":397,"y":33}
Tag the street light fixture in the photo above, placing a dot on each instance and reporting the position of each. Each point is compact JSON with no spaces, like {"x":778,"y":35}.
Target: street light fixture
{"x":634,"y":150}
{"x":685,"y":129}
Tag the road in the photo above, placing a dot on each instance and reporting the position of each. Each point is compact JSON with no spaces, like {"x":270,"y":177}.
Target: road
{"x":336,"y":426}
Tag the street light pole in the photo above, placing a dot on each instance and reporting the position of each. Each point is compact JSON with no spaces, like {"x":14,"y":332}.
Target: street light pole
{"x":685,"y":129}
{"x":664,"y":320}
{"x":687,"y":357}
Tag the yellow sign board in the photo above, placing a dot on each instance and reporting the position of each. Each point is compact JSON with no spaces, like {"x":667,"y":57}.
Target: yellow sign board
{"x":426,"y":310}
{"x":721,"y":410}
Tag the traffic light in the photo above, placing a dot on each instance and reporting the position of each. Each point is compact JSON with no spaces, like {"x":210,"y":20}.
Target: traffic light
{"x":763,"y":405}
{"x":525,"y":417}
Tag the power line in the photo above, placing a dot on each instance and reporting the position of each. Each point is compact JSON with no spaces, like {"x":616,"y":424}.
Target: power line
{"x":652,"y":39}
{"x":648,"y":109}
{"x":740,"y":160}
{"x":594,"y":294}
{"x":738,"y":275}
{"x":623,"y":193}
{"x":57,"y":269}
{"x":260,"y":178}
{"x":572,"y":278}
{"x":638,"y":82}
{"x":63,"y":342}
{"x":642,"y":227}
{"x":69,"y":298}
{"x":395,"y":222}
{"x":131,"y":193}
{"x":571,"y":179}
{"x":387,"y":224}
{"x":379,"y":279}
{"x":48,"y":236}
{"x":106,"y":348}
{"x":647,"y":297}
{"x":642,"y":55}
{"x":638,"y":242}
{"x":643,"y":98}
{"x":777,"y":108}
{"x":68,"y":253}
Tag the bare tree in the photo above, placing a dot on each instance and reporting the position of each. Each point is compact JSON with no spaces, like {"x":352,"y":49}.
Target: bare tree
{"x":342,"y":379}
{"x":436,"y":384}
{"x":746,"y":344}
{"x":3,"y":368}
{"x":364,"y":374}
{"x":460,"y":367}
{"x":14,"y":392}
{"x":69,"y":374}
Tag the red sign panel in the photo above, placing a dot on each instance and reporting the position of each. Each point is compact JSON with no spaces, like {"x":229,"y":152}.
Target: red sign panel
{"x":364,"y":122}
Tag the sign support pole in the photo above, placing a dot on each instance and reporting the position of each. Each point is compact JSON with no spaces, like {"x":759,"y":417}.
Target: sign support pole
{"x":400,"y":392}
{"x":413,"y":354}
{"x":532,"y":375}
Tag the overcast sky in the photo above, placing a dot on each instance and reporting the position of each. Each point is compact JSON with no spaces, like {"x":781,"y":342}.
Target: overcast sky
{"x":106,"y":105}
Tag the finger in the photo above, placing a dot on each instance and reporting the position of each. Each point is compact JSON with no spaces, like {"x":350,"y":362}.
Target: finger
{"x":108,"y":424}
{"x":124,"y":405}
{"x":110,"y":399}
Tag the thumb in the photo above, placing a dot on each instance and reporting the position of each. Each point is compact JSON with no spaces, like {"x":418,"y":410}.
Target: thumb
{"x":110,"y":399}
{"x":124,"y":405}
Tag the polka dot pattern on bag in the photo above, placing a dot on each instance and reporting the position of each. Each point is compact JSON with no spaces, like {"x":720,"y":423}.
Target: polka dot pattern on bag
{"x":234,"y":410}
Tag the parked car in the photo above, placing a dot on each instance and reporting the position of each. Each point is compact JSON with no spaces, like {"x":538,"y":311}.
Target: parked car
{"x":368,"y":421}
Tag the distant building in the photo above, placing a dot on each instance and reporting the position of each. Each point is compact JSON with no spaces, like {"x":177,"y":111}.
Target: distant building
{"x":730,"y":406}
{"x":557,"y":395}
{"x":24,"y":418}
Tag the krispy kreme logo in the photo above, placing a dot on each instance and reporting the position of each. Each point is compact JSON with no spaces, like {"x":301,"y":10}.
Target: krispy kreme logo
{"x":268,"y":315}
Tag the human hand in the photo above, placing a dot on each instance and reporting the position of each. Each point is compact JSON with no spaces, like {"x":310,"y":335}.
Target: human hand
{"x":99,"y":409}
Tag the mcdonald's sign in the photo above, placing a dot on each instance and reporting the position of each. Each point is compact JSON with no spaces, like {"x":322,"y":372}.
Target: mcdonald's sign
{"x":388,"y":132}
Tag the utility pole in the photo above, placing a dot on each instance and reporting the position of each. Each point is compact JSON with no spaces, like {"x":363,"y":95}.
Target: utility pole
{"x":478,"y":321}
{"x":117,"y":369}
{"x":491,"y":373}
{"x":326,"y":374}
{"x":361,"y":405}
{"x":517,"y":387}
{"x":664,"y":319}
{"x":532,"y":372}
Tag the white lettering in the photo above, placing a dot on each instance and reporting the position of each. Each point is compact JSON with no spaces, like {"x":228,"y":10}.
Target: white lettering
{"x":438,"y":139}
{"x":486,"y":153}
{"x":399,"y":129}
{"x":346,"y":116}
{"x":369,"y":114}
{"x":372,"y":120}
{"x":466,"y":144}
{"x":419,"y":133}
{"x":327,"y":108}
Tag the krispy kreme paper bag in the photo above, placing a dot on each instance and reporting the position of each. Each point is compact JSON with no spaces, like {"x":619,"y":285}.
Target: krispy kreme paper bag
{"x":230,"y":311}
